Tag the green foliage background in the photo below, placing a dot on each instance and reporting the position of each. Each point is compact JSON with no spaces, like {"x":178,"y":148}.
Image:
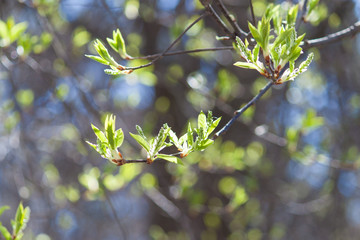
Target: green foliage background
{"x":287,"y":170}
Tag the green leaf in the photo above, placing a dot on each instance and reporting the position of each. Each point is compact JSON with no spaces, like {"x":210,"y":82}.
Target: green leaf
{"x":92,"y":145}
{"x":170,"y":158}
{"x":311,"y":5}
{"x":112,"y":72}
{"x":17,"y":30}
{"x":99,"y":134}
{"x":3,"y":208}
{"x":265,"y":33}
{"x":245,"y":65}
{"x":284,"y":34}
{"x":295,"y":54}
{"x":98,"y":59}
{"x":255,"y":54}
{"x":120,"y":44}
{"x":213,"y":126}
{"x":304,"y":65}
{"x":119,"y":137}
{"x":5,"y":232}
{"x":190,"y":138}
{"x":205,"y":144}
{"x":19,"y":217}
{"x":140,"y":131}
{"x":103,"y":52}
{"x":202,"y":120}
{"x":292,"y":15}
{"x":256,"y":34}
{"x":160,"y":139}
{"x":141,"y":141}
{"x":110,"y":130}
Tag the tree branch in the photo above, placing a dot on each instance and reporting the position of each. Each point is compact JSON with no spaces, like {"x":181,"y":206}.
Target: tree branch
{"x":232,"y":20}
{"x":185,"y":52}
{"x":243,"y":109}
{"x":334,"y":37}
{"x":303,"y":13}
{"x":217,"y":18}
{"x":171,"y":45}
{"x":252,"y":13}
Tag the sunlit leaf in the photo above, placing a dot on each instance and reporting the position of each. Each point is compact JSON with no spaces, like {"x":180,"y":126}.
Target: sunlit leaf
{"x":141,"y":141}
{"x":169,"y":158}
{"x":99,"y":133}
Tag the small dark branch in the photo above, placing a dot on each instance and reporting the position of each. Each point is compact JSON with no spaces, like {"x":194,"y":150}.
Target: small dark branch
{"x":185,"y":52}
{"x":238,"y":113}
{"x":113,"y":210}
{"x":107,"y":8}
{"x":303,"y":13}
{"x":217,"y":18}
{"x":232,"y":20}
{"x":135,"y":161}
{"x":334,"y":37}
{"x":252,"y":13}
{"x":171,"y":45}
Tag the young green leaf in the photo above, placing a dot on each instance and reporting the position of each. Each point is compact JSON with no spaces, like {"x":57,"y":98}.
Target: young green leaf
{"x":98,"y":59}
{"x":159,"y":141}
{"x":311,"y":6}
{"x":204,"y":144}
{"x":141,"y":141}
{"x":202,"y":120}
{"x":6,"y":234}
{"x":17,"y":30}
{"x":18,"y":221}
{"x":3,"y":208}
{"x":110,"y":130}
{"x":212,"y":126}
{"x":99,"y":134}
{"x":170,"y":158}
{"x":256,"y":34}
{"x":245,"y":65}
{"x":292,"y":15}
{"x":103,"y":52}
{"x":118,"y":44}
{"x":189,"y":134}
{"x":119,"y":138}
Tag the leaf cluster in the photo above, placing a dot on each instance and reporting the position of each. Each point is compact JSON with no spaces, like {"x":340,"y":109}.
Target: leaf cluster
{"x":279,"y":45}
{"x":108,"y":141}
{"x":117,"y":43}
{"x":195,"y":139}
{"x":18,"y":224}
{"x":11,"y":32}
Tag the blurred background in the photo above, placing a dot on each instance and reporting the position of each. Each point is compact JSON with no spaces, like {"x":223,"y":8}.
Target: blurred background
{"x":288,"y":169}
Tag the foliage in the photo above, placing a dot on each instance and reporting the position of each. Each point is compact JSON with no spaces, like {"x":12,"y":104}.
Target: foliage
{"x":194,"y":139}
{"x":18,"y":224}
{"x":285,"y":159}
{"x":284,"y":49}
{"x":11,"y":32}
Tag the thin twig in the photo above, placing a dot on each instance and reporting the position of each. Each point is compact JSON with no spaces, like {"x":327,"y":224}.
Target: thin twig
{"x":185,"y":52}
{"x":252,"y":13}
{"x":171,"y":45}
{"x":303,"y":13}
{"x":217,"y":18}
{"x":232,"y":20}
{"x":243,"y":109}
{"x":107,"y":8}
{"x":334,"y":37}
{"x":113,"y":210}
